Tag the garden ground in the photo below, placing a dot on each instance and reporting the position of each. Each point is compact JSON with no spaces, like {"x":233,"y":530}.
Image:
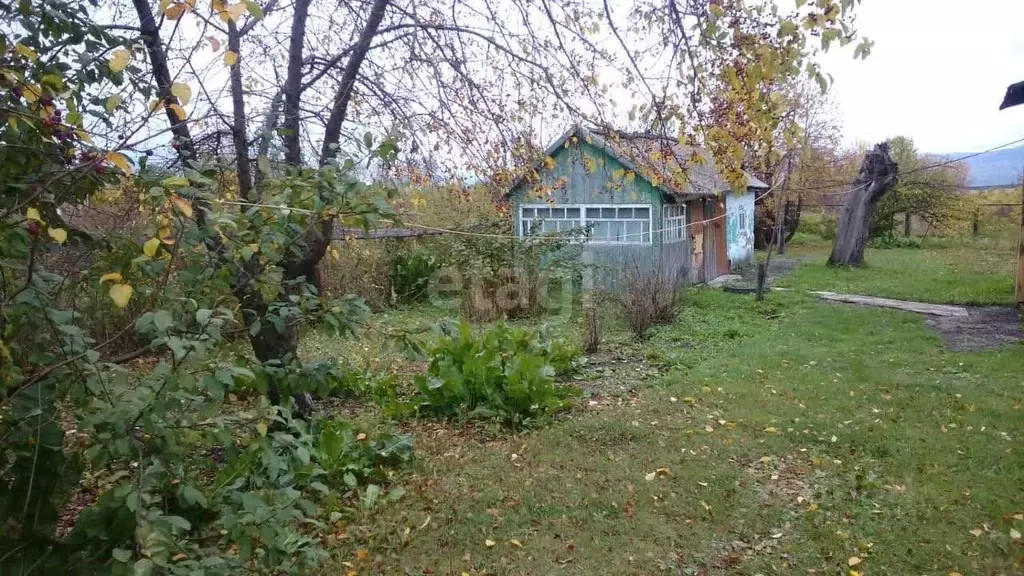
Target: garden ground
{"x":783,"y":437}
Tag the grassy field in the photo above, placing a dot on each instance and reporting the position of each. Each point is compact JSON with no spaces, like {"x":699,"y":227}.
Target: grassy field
{"x":940,"y":272}
{"x":785,"y":437}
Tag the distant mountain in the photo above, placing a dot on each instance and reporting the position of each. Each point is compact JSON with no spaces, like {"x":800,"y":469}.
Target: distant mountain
{"x":999,"y":168}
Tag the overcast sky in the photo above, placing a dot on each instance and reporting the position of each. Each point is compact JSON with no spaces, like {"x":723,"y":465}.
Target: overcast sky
{"x":938,"y":72}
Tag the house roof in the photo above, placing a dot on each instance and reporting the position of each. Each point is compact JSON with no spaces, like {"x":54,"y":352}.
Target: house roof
{"x":675,"y":169}
{"x":1014,"y":96}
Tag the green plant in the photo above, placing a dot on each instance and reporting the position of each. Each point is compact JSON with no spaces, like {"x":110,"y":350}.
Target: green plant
{"x":888,"y":240}
{"x":505,"y":373}
{"x":353,"y":460}
{"x":409,"y":274}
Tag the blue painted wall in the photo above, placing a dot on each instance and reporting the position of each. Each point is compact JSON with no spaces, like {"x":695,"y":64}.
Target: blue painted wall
{"x":588,"y":175}
{"x":739,"y":231}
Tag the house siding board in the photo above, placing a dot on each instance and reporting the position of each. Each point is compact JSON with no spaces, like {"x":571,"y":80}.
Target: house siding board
{"x":599,"y":186}
{"x":740,"y":240}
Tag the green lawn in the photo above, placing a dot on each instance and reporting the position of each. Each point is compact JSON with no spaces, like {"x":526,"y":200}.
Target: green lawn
{"x":793,"y":436}
{"x":956,"y":273}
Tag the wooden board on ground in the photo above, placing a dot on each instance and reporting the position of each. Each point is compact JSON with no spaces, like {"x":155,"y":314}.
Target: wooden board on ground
{"x":919,"y":307}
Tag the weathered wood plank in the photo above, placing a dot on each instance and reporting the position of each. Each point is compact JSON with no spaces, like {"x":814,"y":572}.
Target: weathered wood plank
{"x":919,"y":307}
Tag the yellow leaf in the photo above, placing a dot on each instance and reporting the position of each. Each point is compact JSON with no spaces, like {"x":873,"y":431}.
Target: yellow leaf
{"x":770,"y":430}
{"x":154,"y":105}
{"x":178,"y":111}
{"x":230,"y":58}
{"x":489,"y":543}
{"x":32,"y":92}
{"x":167,"y":235}
{"x":853,"y":573}
{"x":112,"y":276}
{"x":362,"y":554}
{"x":113,"y":102}
{"x":150,"y":247}
{"x":214,"y":43}
{"x":119,"y":59}
{"x":32,"y":214}
{"x":174,"y":181}
{"x":25,"y":51}
{"x":83,"y":136}
{"x":121,"y":161}
{"x":261,"y":427}
{"x":516,"y":543}
{"x":853,"y":561}
{"x":59,"y":235}
{"x":976,"y":532}
{"x":182,"y":91}
{"x":176,"y":10}
{"x":216,"y":5}
{"x":183,"y":205}
{"x":232,"y":12}
{"x":120,"y":294}
{"x":1014,"y":534}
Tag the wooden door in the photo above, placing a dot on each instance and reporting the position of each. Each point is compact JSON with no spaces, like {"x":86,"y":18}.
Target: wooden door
{"x":716,"y":257}
{"x":695,"y":218}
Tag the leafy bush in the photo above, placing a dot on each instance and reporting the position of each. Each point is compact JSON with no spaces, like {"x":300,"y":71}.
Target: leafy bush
{"x":829,"y":228}
{"x":651,"y":298}
{"x":889,"y":240}
{"x":409,"y":274}
{"x":505,"y":373}
{"x":353,"y":460}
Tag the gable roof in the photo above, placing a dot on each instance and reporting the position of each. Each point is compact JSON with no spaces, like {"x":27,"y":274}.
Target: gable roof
{"x":673,"y":168}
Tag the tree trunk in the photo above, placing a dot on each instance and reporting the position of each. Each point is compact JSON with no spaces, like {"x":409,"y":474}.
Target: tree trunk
{"x":878,"y":173}
{"x":906,"y":224}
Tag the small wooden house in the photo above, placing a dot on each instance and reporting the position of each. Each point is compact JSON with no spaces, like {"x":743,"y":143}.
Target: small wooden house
{"x":646,"y":201}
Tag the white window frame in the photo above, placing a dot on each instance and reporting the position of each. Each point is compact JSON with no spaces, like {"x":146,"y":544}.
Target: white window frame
{"x":673,"y":228}
{"x":742,"y":217}
{"x":586,"y":222}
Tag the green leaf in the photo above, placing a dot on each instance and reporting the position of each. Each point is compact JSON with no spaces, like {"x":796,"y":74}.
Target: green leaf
{"x":121,"y":555}
{"x":192,"y":496}
{"x":162,"y":320}
{"x":263,"y":163}
{"x":254,"y":9}
{"x":320,"y":487}
{"x":143,"y":567}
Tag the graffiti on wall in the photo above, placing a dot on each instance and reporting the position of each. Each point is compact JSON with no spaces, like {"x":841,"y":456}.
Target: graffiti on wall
{"x":739,"y":228}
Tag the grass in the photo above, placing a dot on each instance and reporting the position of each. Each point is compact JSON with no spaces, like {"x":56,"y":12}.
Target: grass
{"x":948,"y":273}
{"x":792,"y":436}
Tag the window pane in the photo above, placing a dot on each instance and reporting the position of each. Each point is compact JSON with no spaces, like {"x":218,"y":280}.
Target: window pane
{"x":558,"y":212}
{"x":608,"y":213}
{"x":625,"y":212}
{"x":527,"y":226}
{"x":593,"y":212}
{"x":601,"y":230}
{"x":633,"y":232}
{"x":572,"y":213}
{"x":543,"y":212}
{"x":528,"y":212}
{"x":642,"y":213}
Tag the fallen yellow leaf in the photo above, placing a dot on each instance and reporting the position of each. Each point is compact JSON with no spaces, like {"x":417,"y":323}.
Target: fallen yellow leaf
{"x":113,"y":276}
{"x":771,"y":430}
{"x":489,"y":543}
{"x":60,"y":235}
{"x":853,"y":561}
{"x":362,"y":554}
{"x":120,"y":294}
{"x":976,"y":532}
{"x":1014,"y":534}
{"x":32,"y":214}
{"x":516,"y":543}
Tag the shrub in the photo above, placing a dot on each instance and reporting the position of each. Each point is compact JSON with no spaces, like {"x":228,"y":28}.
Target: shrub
{"x":409,"y":274}
{"x":889,"y":240}
{"x":829,"y":228}
{"x":505,"y":373}
{"x":651,"y":298}
{"x":354,"y":460}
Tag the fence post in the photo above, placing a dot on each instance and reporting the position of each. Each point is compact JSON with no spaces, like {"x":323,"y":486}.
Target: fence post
{"x":906,"y":224}
{"x":975,"y":224}
{"x":1020,"y":254}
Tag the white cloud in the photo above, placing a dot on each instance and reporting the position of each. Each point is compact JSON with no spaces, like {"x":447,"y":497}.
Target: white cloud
{"x":938,"y":72}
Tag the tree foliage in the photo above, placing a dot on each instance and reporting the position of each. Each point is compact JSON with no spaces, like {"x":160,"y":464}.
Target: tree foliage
{"x":239,"y":134}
